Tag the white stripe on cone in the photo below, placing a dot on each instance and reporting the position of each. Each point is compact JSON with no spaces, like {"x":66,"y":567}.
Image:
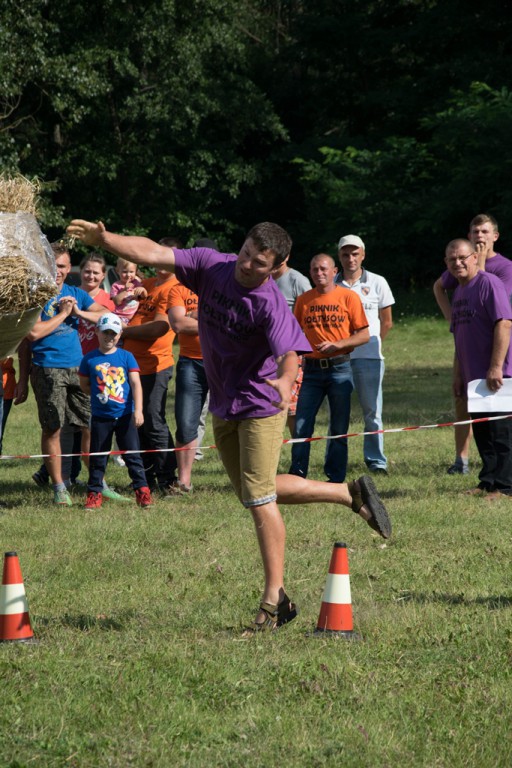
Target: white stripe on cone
{"x":13,"y":599}
{"x":337,"y":589}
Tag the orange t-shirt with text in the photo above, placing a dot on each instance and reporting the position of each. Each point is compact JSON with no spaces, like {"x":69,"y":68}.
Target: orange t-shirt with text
{"x":330,"y":317}
{"x":179,"y":296}
{"x":152,"y":355}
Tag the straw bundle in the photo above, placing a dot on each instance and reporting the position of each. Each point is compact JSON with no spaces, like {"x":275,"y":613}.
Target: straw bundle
{"x":18,"y":193}
{"x":27,"y":272}
{"x":27,"y":264}
{"x":20,"y":287}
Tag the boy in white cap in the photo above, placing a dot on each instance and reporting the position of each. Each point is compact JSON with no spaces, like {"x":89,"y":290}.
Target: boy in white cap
{"x":110,"y":375}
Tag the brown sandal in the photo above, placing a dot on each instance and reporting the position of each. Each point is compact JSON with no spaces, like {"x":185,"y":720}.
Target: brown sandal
{"x":275,"y":616}
{"x":364,"y":493}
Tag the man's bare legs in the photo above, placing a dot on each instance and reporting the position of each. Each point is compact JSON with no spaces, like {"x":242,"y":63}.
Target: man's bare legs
{"x":50,"y":444}
{"x":462,"y":435}
{"x":292,"y":489}
{"x":185,"y":461}
{"x":86,"y":445}
{"x":271,"y":535}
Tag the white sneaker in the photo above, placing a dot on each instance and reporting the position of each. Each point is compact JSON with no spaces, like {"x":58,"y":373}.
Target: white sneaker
{"x":118,"y":460}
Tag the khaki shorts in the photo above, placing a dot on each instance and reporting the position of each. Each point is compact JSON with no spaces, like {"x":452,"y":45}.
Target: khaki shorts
{"x":59,"y":398}
{"x":250,"y":450}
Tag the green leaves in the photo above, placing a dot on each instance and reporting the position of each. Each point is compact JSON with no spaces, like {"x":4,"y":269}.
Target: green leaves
{"x":204,"y":116}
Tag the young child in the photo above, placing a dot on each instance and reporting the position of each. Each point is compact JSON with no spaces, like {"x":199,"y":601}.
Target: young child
{"x":110,"y":375}
{"x":127,"y":290}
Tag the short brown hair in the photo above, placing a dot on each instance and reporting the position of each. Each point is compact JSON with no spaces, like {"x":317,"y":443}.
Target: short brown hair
{"x":271,"y":237}
{"x":171,"y":242}
{"x":59,"y":247}
{"x":483,"y":218}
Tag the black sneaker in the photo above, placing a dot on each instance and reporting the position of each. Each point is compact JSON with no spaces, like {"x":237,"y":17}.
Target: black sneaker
{"x":458,"y":469}
{"x":40,"y":479}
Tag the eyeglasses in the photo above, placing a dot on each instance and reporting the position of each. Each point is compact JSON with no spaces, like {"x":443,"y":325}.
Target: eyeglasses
{"x":455,"y":259}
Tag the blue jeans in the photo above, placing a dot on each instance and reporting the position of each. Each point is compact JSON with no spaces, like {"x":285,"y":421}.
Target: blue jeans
{"x":336,"y":384}
{"x":160,"y":467}
{"x":102,"y":431}
{"x":191,"y":391}
{"x":368,"y":376}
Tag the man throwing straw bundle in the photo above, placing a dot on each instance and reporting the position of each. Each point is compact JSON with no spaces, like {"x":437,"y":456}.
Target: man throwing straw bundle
{"x":250,"y":341}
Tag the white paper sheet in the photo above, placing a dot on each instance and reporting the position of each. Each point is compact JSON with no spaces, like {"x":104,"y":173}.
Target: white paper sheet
{"x":482,"y":400}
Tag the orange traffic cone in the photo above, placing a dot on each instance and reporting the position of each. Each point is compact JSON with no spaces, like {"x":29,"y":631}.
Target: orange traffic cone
{"x":14,"y":618}
{"x":336,"y":611}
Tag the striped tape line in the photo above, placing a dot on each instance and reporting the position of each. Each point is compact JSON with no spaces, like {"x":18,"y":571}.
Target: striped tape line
{"x":288,"y":441}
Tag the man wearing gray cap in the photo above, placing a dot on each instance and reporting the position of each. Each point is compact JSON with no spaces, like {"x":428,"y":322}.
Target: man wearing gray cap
{"x":367,"y":361}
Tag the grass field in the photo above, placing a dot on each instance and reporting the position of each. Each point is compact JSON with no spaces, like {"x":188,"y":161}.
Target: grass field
{"x":138,"y":614}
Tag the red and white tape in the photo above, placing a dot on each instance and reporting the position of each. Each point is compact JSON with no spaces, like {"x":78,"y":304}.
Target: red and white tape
{"x":288,"y":441}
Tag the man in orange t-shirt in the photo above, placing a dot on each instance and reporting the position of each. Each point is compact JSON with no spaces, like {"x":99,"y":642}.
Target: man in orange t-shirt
{"x":149,"y":337}
{"x":334,"y":323}
{"x":191,"y":384}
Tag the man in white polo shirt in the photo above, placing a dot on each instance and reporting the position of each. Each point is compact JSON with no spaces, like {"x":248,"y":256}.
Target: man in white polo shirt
{"x":367,"y":361}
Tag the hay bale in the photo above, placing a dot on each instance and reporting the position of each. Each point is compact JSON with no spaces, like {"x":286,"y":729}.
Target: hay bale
{"x":17,"y":193}
{"x":27,"y":263}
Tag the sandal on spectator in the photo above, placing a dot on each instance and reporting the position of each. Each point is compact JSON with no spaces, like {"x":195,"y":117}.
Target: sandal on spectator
{"x":177,"y":488}
{"x":275,"y":616}
{"x":366,"y":499}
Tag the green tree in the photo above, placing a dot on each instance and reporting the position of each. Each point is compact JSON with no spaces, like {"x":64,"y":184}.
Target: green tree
{"x":409,"y":197}
{"x":143,"y":114}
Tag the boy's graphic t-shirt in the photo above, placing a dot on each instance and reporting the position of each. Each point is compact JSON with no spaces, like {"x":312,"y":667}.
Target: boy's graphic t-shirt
{"x":111,"y":394}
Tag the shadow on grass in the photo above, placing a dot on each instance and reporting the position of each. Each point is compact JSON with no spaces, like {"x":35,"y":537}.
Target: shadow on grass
{"x":85,"y":622}
{"x":19,"y":494}
{"x":492,"y":602}
{"x":423,"y":397}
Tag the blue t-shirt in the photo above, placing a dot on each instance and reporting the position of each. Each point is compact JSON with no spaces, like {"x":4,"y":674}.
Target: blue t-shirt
{"x":62,"y":348}
{"x":111,"y":394}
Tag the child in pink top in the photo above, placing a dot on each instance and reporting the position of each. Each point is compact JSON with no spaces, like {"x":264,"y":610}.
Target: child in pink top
{"x":126,"y":291}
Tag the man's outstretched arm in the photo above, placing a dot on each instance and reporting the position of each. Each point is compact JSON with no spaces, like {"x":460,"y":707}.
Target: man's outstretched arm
{"x":138,"y":250}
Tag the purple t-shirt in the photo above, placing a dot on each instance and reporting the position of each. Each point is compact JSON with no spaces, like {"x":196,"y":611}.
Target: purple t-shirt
{"x":476,"y":307}
{"x":497,"y":265}
{"x":242,"y":331}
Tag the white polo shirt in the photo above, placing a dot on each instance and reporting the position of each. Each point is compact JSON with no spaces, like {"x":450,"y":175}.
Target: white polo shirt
{"x":375,"y":293}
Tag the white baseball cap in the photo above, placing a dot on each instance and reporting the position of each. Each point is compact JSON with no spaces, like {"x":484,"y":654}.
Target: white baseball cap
{"x":351,"y":240}
{"x":109,"y":322}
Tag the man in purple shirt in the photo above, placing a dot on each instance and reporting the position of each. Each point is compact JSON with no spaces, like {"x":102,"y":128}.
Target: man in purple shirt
{"x":483,"y":234}
{"x":250,"y":342}
{"x":481,"y":320}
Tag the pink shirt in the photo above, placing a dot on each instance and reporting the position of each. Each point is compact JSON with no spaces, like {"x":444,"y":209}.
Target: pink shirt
{"x":130,"y":305}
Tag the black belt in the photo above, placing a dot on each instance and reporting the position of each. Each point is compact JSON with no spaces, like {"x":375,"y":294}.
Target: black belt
{"x":326,"y":362}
